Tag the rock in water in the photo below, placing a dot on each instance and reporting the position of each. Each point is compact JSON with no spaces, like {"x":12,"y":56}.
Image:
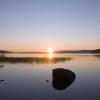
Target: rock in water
{"x":62,"y":78}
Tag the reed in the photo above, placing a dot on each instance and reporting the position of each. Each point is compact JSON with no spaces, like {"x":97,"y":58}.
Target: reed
{"x":34,"y":59}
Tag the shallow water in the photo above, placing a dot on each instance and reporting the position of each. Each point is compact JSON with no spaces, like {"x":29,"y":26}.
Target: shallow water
{"x":35,"y":81}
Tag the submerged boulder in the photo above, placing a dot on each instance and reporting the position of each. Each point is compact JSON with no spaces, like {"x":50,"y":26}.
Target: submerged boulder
{"x":1,"y":81}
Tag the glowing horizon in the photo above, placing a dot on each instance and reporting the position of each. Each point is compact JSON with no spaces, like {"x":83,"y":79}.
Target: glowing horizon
{"x":62,"y":24}
{"x":45,"y":49}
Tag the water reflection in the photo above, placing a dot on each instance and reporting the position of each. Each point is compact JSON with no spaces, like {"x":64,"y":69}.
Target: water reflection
{"x":1,"y":66}
{"x":1,"y":81}
{"x":0,"y":88}
{"x":62,"y":78}
{"x":98,"y":56}
{"x":50,"y":55}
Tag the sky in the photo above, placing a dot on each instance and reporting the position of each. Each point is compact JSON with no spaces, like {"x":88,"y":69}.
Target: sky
{"x":35,"y":25}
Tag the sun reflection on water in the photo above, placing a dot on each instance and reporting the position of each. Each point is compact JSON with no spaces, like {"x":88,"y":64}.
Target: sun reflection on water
{"x":50,"y":55}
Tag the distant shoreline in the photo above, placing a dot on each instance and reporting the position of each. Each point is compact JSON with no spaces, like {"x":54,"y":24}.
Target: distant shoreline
{"x":96,"y":51}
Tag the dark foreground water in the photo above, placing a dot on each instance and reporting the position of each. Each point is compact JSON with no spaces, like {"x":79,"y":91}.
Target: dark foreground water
{"x":74,"y":79}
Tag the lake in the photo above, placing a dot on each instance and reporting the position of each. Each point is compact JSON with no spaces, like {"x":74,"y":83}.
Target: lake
{"x":47,"y":81}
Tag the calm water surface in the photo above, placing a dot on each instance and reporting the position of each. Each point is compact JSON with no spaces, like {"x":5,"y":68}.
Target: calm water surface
{"x":38,"y":81}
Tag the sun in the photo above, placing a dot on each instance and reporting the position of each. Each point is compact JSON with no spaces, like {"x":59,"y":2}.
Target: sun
{"x":50,"y":50}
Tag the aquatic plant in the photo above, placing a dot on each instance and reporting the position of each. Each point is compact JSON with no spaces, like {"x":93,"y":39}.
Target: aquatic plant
{"x":38,"y":60}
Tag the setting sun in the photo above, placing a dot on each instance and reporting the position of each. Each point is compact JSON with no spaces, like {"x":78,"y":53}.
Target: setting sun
{"x":50,"y":50}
